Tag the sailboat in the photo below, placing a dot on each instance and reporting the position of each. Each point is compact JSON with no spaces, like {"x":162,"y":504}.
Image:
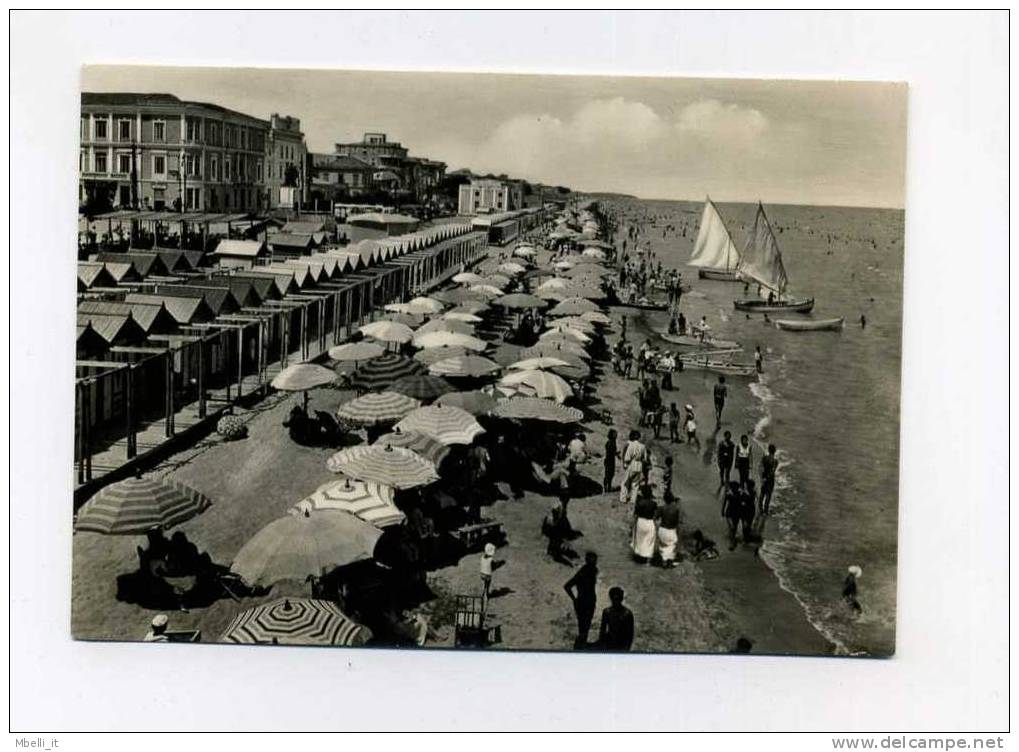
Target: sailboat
{"x":714,"y":252}
{"x":762,"y":263}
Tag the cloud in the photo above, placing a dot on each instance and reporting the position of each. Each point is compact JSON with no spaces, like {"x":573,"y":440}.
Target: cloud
{"x":618,"y":137}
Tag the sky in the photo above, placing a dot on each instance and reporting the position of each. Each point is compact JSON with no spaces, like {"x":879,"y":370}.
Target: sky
{"x":777,"y":141}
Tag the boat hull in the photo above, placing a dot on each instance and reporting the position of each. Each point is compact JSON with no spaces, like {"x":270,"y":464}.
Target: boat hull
{"x":820,"y":325}
{"x":719,"y":367}
{"x":721,"y":275}
{"x":687,"y":340}
{"x":754,"y":305}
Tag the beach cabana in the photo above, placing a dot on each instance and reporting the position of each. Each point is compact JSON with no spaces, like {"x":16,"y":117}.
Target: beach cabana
{"x":93,"y":274}
{"x":220,"y":299}
{"x":184,"y":310}
{"x":152,"y":318}
{"x":291,"y":244}
{"x":239,"y":254}
{"x":145,"y":264}
{"x":114,"y":329}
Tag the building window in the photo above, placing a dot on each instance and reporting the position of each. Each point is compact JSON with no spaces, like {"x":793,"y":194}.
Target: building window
{"x":124,"y":130}
{"x":124,"y":163}
{"x":101,"y":161}
{"x":125,"y":195}
{"x":194,"y":129}
{"x":191,"y":166}
{"x":258,"y":171}
{"x":100,"y":128}
{"x":158,"y":130}
{"x":159,"y":165}
{"x":214,"y":167}
{"x":212,"y":133}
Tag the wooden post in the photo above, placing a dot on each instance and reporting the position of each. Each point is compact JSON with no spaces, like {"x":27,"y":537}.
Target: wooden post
{"x":132,"y":439}
{"x":87,"y":415}
{"x":79,"y":417}
{"x":284,"y":336}
{"x":348,"y":294}
{"x":304,"y":331}
{"x":169,"y":393}
{"x":201,"y":377}
{"x":240,"y":361}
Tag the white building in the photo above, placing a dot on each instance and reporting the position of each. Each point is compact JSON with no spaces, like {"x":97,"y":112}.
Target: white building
{"x":488,"y":196}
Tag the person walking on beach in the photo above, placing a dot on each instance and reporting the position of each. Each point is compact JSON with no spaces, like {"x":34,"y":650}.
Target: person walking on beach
{"x":667,"y":477}
{"x":485,"y":568}
{"x":748,"y":510}
{"x":691,"y":429}
{"x":731,"y":511}
{"x":769,"y":465}
{"x":611,"y":452}
{"x":617,"y":626}
{"x":726,"y":452}
{"x":581,"y":589}
{"x":758,"y":359}
{"x":850,"y":589}
{"x":668,"y":530}
{"x":744,"y":459}
{"x":644,"y":533}
{"x":634,"y":456}
{"x":658,"y":419}
{"x":721,"y":392}
{"x":674,"y":421}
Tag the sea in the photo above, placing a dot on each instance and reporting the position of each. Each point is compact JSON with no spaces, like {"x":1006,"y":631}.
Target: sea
{"x":828,"y":400}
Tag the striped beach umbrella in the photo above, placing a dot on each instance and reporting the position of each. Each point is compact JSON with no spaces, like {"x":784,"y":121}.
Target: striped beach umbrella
{"x":449,"y":425}
{"x":387,"y":331}
{"x":538,"y":384}
{"x":353,"y":352}
{"x":554,"y":283}
{"x":472,"y":306}
{"x":137,"y":505}
{"x":296,"y":621}
{"x":422,"y":386}
{"x":295,"y":547}
{"x":432,"y":450}
{"x":449,"y":339}
{"x":394,"y":466}
{"x":465,"y":366}
{"x":382,"y":371}
{"x":367,"y":500}
{"x":525,"y":252}
{"x":435,"y":354}
{"x":535,"y":408}
{"x":424,"y":305}
{"x":475,"y":402}
{"x":378,"y":407}
{"x":575,"y":322}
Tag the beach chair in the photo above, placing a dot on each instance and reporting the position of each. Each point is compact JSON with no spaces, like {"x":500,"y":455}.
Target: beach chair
{"x":474,"y":537}
{"x":471,"y":626}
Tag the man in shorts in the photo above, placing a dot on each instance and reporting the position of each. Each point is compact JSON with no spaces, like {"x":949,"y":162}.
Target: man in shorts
{"x":721,"y":392}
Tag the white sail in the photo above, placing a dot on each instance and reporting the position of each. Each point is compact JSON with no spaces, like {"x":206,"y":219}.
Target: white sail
{"x":762,"y":261}
{"x":713,"y":248}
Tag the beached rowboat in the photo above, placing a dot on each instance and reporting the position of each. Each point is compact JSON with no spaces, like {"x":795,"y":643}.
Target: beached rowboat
{"x":814,"y":325}
{"x":724,"y":368}
{"x":689,"y":340}
{"x":776,"y":306}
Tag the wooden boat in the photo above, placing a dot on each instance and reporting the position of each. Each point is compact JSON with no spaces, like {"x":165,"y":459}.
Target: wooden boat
{"x":646,"y":306}
{"x":811,"y":325}
{"x":690,"y":340}
{"x":712,"y":364}
{"x":762,"y":264}
{"x":714,"y":253}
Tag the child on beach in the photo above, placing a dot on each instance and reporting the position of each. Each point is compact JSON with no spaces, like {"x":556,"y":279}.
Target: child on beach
{"x":485,"y":567}
{"x":691,"y":429}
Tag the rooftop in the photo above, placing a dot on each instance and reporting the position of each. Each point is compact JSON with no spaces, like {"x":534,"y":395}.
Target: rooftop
{"x":146,"y":99}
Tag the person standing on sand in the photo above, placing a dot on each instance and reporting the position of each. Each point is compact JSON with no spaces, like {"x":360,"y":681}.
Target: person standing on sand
{"x":667,"y":477}
{"x":581,"y":589}
{"x":744,"y":459}
{"x":769,"y":465}
{"x":644,"y":533}
{"x":674,"y":421}
{"x":634,"y":456}
{"x":863,"y":321}
{"x":721,"y":392}
{"x":758,"y":359}
{"x":748,"y":510}
{"x":726,"y":451}
{"x":668,"y":530}
{"x":731,"y":511}
{"x":850,"y":588}
{"x":485,"y":568}
{"x":691,"y":429}
{"x":611,"y":452}
{"x":617,"y":627}
{"x":657,"y":419}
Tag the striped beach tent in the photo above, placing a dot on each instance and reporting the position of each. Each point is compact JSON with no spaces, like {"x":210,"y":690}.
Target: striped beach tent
{"x":368,"y":500}
{"x":393,"y":466}
{"x":379,"y":407}
{"x":137,"y":505}
{"x":449,"y":425}
{"x":296,"y":621}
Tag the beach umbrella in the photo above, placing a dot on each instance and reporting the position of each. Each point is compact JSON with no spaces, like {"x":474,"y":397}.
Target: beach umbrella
{"x":464,"y":316}
{"x":496,"y":280}
{"x":539,"y":363}
{"x":301,"y":377}
{"x":394,"y":466}
{"x":295,"y":547}
{"x":475,"y":402}
{"x":566,"y":338}
{"x":465,"y":366}
{"x":596,"y":317}
{"x":488,"y":291}
{"x":573,"y":322}
{"x":449,"y":339}
{"x":535,"y":408}
{"x":525,"y":252}
{"x":387,"y":331}
{"x":538,"y":384}
{"x":296,"y":621}
{"x":382,"y":371}
{"x":468,"y":278}
{"x":511,"y":267}
{"x":424,"y":387}
{"x":432,"y":450}
{"x":563,"y":266}
{"x":594,"y":253}
{"x":435,"y":354}
{"x":137,"y":505}
{"x":379,"y":407}
{"x":565,"y":350}
{"x":449,"y":425}
{"x":472,"y":307}
{"x":458,"y":296}
{"x":519,"y":301}
{"x":425,"y":306}
{"x":353,"y":352}
{"x":554,"y":293}
{"x":407,"y":319}
{"x":555,"y":283}
{"x":573,"y":307}
{"x":366,"y":500}
{"x":445,"y":325}
{"x":564,"y":331}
